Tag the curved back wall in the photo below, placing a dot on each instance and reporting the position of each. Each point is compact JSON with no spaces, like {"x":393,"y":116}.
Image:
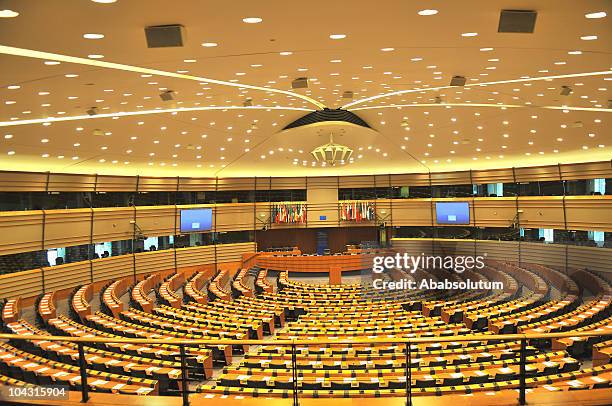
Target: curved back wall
{"x":24,"y":231}
{"x":37,"y":281}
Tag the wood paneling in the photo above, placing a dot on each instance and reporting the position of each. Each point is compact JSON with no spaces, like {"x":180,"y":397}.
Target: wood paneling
{"x":64,"y":228}
{"x":23,"y":181}
{"x":553,"y":255}
{"x":108,"y":183}
{"x":113,"y":267}
{"x":157,"y":220}
{"x":113,"y":224}
{"x":20,"y":231}
{"x":67,"y":276}
{"x":589,"y":170}
{"x":451,"y":178}
{"x":24,"y":284}
{"x":412,"y":212}
{"x":589,"y":212}
{"x":68,"y":182}
{"x":537,"y":173}
{"x":37,"y":181}
{"x":541,"y":213}
{"x":494,"y":211}
{"x":234,"y":217}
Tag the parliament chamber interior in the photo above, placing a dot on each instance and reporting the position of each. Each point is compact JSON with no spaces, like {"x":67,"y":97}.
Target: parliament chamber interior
{"x":305,"y":203}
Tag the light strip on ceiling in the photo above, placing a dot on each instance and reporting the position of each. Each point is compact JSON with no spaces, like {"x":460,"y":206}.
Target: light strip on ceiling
{"x":143,"y":112}
{"x":499,"y":82}
{"x":29,"y":53}
{"x":499,"y":106}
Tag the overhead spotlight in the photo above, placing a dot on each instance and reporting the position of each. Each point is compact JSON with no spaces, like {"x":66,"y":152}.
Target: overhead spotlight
{"x":97,"y":132}
{"x":404,"y":123}
{"x":578,"y":124}
{"x":347,"y":94}
{"x":438,"y":100}
{"x":458,"y":81}
{"x":247,"y":103}
{"x":565,"y":90}
{"x":299,"y":83}
{"x":168,"y":95}
{"x":92,"y":111}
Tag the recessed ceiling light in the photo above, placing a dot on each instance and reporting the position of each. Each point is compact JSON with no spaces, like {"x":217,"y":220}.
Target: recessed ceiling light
{"x":252,"y":20}
{"x":8,"y":136}
{"x":8,"y":14}
{"x":428,"y":12}
{"x":93,"y":36}
{"x":95,"y":56}
{"x":486,"y":49}
{"x":11,"y":152}
{"x":337,"y":36}
{"x":469,"y":34}
{"x":598,"y":14}
{"x":13,"y":87}
{"x":285,"y":53}
{"x":104,"y":1}
{"x":588,"y":37}
{"x":416,"y":59}
{"x":574,"y":52}
{"x":51,"y":63}
{"x":387,"y":49}
{"x":209,"y":44}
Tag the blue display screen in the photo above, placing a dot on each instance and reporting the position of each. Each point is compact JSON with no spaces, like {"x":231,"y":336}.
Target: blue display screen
{"x":194,"y":220}
{"x":452,"y":213}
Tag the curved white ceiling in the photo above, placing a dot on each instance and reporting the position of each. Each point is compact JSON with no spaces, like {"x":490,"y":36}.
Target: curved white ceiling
{"x":392,"y":59}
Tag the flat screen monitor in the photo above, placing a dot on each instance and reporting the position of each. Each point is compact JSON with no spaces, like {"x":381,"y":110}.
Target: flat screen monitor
{"x":195,"y":220}
{"x":452,"y":212}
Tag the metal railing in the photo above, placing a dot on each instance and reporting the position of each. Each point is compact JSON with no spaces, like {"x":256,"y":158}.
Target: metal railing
{"x":183,"y":344}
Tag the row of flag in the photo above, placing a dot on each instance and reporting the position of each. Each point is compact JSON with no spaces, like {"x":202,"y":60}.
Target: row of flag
{"x":357,"y":211}
{"x":288,"y":213}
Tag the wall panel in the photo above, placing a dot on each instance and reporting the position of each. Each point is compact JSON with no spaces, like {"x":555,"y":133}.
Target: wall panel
{"x":20,"y":231}
{"x":113,"y":267}
{"x":24,"y":284}
{"x":595,"y":259}
{"x":69,"y":182}
{"x":234,"y":217}
{"x":154,"y":261}
{"x":157,"y":220}
{"x":482,"y":176}
{"x":65,"y":228}
{"x":288,"y":183}
{"x":537,"y":173}
{"x":589,"y":170}
{"x":109,"y":183}
{"x":410,"y":179}
{"x":541,"y":213}
{"x":552,"y":255}
{"x":193,"y":256}
{"x":67,"y":276}
{"x":113,"y":224}
{"x":451,"y":178}
{"x":157,"y":184}
{"x":494,"y":211}
{"x":23,"y":181}
{"x":412,"y":212}
{"x":197,"y":184}
{"x":589,"y":212}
